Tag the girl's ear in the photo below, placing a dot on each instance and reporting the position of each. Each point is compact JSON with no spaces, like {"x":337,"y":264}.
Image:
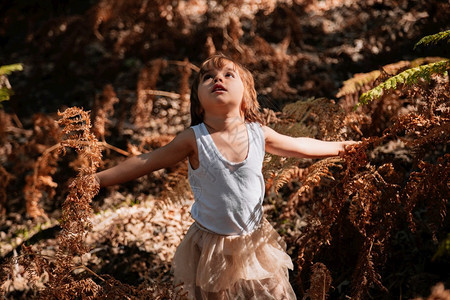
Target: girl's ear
{"x":243,"y":104}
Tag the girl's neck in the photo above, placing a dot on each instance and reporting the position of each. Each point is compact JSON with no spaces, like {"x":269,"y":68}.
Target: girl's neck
{"x":216,"y":124}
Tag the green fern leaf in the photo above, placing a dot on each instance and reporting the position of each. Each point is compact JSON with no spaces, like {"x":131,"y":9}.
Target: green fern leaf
{"x":5,"y":94}
{"x":8,"y":69}
{"x":408,"y":77}
{"x":443,"y":249}
{"x":434,"y":39}
{"x":5,"y":88}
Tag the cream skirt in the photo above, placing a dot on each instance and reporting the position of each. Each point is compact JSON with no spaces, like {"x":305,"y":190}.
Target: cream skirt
{"x":250,"y":266}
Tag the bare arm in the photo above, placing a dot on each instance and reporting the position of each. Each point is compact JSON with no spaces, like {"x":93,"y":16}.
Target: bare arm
{"x":178,"y":149}
{"x":301,"y":147}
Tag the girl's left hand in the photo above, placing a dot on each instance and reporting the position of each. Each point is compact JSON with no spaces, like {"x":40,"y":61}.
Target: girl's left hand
{"x":347,"y":146}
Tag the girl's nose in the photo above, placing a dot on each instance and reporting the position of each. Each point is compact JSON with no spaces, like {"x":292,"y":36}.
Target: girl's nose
{"x":217,"y":78}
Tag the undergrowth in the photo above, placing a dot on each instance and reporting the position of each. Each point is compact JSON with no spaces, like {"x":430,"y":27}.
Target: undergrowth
{"x":388,"y":192}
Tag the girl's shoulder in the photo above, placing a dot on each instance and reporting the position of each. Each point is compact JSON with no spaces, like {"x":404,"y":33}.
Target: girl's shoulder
{"x":258,"y":130}
{"x":187,"y":135}
{"x":269,"y":133}
{"x":184,"y":139}
{"x":255,"y":125}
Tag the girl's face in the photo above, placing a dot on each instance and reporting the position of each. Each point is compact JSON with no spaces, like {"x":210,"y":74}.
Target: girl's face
{"x":221,"y":88}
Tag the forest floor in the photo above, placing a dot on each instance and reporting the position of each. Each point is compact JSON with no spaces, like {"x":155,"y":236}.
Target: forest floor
{"x":71,"y":52}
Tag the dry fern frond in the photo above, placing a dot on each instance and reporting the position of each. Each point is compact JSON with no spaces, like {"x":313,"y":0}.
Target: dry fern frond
{"x":314,"y":117}
{"x":5,"y":177}
{"x":429,"y":184}
{"x":287,"y":175}
{"x":62,"y":283}
{"x":176,"y":186}
{"x":76,"y":210}
{"x":308,"y":178}
{"x":394,"y":68}
{"x":76,"y":125}
{"x":40,"y":182}
{"x":354,"y":85}
{"x":365,"y":273}
{"x":318,"y":171}
{"x":425,"y":60}
{"x":147,"y":80}
{"x":104,"y":109}
{"x":270,"y":117}
{"x":372,"y":198}
{"x":320,"y":282}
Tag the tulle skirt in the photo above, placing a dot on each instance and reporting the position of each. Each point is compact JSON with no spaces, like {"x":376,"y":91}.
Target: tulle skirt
{"x":250,"y":266}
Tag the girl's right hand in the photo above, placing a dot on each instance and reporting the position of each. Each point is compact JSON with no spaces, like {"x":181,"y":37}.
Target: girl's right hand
{"x":97,"y":180}
{"x":134,"y":167}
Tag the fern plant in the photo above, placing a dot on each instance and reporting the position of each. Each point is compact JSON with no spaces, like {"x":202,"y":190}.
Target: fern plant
{"x":434,"y":39}
{"x":379,"y":188}
{"x":5,"y":87}
{"x":413,"y":75}
{"x":408,"y":77}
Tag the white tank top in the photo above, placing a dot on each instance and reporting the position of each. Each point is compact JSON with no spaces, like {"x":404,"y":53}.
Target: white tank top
{"x":228,"y":195}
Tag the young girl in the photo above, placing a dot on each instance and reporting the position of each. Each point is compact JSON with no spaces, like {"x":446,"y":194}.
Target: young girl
{"x":231,"y":251}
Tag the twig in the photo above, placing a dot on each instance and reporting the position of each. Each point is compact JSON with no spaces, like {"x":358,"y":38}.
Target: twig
{"x":87,"y":269}
{"x":17,"y":121}
{"x":26,"y":132}
{"x":233,"y":42}
{"x":118,"y":150}
{"x":104,"y":144}
{"x":162,"y":93}
{"x":183,"y":63}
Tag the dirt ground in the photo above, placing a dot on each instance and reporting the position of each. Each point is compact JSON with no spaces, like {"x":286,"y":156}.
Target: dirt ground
{"x":90,"y":53}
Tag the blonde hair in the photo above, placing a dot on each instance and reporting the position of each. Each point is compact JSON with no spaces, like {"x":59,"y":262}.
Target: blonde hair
{"x":249,"y":105}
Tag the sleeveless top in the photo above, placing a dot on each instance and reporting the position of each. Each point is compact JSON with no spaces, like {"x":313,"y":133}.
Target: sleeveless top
{"x":228,"y":195}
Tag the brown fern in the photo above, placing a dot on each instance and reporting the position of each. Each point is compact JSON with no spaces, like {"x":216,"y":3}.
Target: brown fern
{"x":373,"y":197}
{"x":40,"y":184}
{"x":320,"y":282}
{"x":147,"y":80}
{"x":76,"y":210}
{"x":104,"y":109}
{"x":5,"y":177}
{"x":418,"y":189}
{"x":323,"y":118}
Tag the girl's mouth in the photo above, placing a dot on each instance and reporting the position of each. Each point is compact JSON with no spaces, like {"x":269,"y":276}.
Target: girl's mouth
{"x":218,"y":88}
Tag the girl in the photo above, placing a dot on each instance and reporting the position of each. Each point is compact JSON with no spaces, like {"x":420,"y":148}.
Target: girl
{"x":231,"y":251}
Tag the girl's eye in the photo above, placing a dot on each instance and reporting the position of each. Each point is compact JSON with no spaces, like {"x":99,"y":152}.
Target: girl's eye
{"x":207,"y":76}
{"x":230,"y":75}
